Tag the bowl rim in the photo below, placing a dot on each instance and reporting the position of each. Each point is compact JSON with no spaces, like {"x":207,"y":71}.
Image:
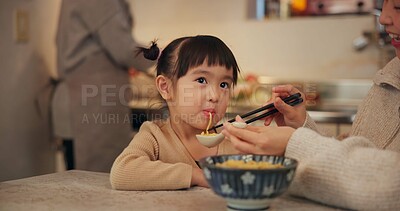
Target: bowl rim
{"x":204,"y":164}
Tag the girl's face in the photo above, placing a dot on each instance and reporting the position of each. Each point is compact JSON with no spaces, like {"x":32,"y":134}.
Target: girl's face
{"x":390,"y":17}
{"x":203,"y":90}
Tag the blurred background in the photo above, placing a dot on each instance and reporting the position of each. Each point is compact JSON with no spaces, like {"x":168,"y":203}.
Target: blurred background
{"x":329,"y":49}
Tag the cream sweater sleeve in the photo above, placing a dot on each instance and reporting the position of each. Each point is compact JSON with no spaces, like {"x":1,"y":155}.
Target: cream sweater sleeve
{"x":138,"y":167}
{"x":310,"y":123}
{"x":352,"y":173}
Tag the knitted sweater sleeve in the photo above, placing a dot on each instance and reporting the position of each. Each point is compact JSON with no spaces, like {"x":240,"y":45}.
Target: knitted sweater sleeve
{"x":138,"y":167}
{"x":352,"y":173}
{"x":310,"y":123}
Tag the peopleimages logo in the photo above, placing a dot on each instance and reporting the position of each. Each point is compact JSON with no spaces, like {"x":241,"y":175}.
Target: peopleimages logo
{"x":130,"y":95}
{"x":109,"y":94}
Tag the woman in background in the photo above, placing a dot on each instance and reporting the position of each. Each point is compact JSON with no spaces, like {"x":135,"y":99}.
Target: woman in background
{"x":95,"y":50}
{"x":362,"y":172}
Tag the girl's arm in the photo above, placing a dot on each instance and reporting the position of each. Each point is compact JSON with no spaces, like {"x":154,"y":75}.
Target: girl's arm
{"x":138,"y":167}
{"x":198,"y":178}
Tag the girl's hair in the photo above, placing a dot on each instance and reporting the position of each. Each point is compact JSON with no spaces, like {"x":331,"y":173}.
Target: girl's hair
{"x":185,"y":53}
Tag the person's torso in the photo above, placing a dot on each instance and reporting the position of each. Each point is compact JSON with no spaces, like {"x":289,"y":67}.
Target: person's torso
{"x":378,"y":117}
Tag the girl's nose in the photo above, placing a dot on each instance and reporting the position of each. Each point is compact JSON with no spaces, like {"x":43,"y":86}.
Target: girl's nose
{"x":213,"y":96}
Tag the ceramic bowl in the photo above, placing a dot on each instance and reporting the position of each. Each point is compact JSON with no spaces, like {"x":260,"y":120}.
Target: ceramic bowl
{"x":210,"y":140}
{"x":248,"y":189}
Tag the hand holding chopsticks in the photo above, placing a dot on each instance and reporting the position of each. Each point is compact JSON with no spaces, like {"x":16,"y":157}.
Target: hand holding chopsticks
{"x":291,"y":100}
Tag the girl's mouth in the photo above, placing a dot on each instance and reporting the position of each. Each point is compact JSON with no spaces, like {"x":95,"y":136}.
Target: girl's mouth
{"x":395,"y":37}
{"x":395,"y":40}
{"x":207,"y":113}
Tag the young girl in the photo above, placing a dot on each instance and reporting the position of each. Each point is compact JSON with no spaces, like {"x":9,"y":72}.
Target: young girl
{"x":194,"y":76}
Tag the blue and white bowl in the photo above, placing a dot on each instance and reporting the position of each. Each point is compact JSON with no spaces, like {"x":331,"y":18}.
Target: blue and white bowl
{"x":248,"y":189}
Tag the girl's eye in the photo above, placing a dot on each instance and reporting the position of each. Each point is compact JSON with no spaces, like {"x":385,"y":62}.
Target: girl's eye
{"x":224,"y":85}
{"x":201,"y":80}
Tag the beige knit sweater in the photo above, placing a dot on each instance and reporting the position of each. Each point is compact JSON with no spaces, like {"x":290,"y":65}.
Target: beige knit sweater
{"x":156,"y":159}
{"x":355,"y":173}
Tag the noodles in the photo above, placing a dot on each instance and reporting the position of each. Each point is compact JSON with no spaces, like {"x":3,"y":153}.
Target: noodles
{"x":240,"y":164}
{"x":209,"y":123}
{"x":206,"y":133}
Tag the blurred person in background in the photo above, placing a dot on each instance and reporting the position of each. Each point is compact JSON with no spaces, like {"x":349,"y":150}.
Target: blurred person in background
{"x":90,"y":108}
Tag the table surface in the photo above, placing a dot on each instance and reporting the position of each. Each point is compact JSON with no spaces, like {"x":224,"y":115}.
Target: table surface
{"x":84,"y":190}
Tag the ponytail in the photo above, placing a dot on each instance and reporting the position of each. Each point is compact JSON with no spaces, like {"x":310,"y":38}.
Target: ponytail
{"x":151,"y":53}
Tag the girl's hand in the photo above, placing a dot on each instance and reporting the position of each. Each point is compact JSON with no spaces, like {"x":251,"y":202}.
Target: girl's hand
{"x":259,"y":139}
{"x":292,"y":116}
{"x":198,"y":178}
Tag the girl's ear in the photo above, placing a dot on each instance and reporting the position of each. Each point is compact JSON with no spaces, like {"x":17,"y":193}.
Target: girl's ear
{"x":164,"y":87}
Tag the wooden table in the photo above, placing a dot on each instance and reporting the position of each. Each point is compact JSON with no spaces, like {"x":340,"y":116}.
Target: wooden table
{"x":83,"y":190}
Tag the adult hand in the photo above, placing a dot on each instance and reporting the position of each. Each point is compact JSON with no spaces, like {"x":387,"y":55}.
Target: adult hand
{"x":292,"y":116}
{"x":259,"y":139}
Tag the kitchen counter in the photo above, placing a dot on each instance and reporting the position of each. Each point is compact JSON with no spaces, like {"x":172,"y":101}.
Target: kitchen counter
{"x":83,"y":190}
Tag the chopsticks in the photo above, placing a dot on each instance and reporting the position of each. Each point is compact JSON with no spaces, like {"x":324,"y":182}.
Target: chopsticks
{"x":290,"y":100}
